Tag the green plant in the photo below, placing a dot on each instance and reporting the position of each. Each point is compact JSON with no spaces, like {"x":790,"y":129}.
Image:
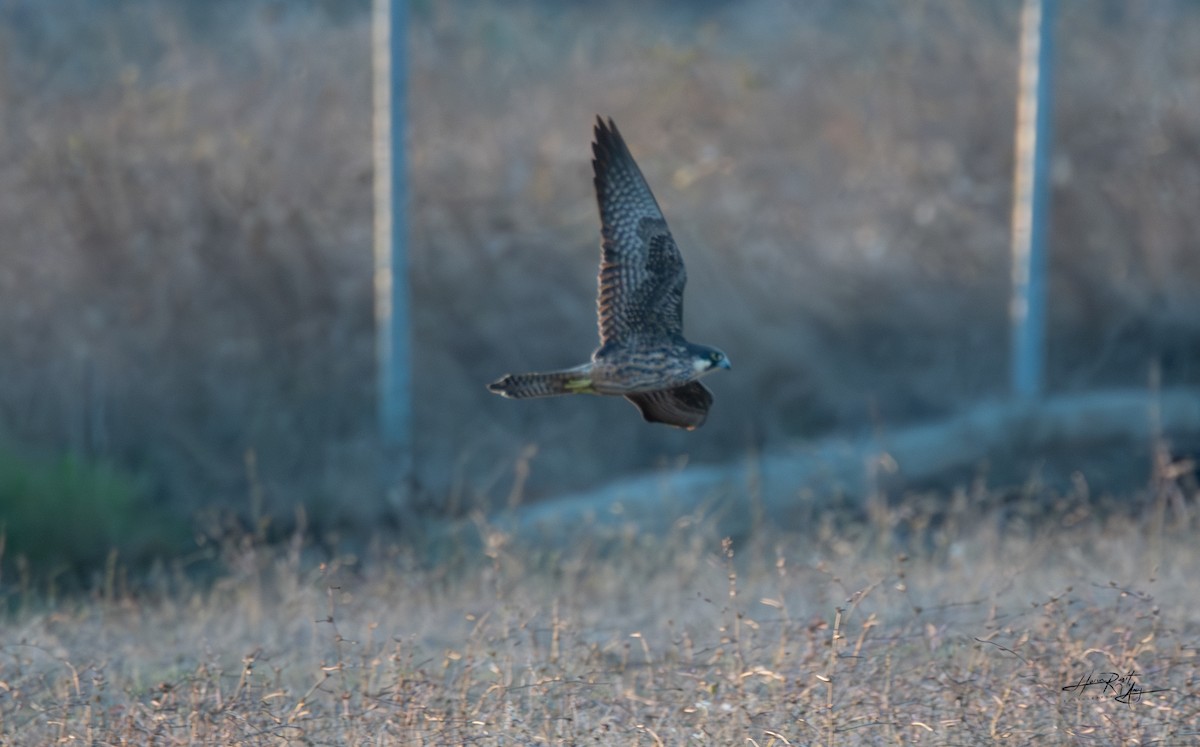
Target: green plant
{"x":68,"y":514}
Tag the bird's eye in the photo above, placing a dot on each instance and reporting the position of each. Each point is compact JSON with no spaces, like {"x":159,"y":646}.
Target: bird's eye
{"x":716,"y":356}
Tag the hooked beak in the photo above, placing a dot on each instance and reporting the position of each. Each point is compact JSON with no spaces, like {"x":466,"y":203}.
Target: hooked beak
{"x":724,"y":363}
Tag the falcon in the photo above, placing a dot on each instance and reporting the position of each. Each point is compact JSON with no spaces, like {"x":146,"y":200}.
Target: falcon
{"x":643,"y":355}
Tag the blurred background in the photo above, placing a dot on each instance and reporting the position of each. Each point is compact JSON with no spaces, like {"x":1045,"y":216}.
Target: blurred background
{"x":186,"y":330}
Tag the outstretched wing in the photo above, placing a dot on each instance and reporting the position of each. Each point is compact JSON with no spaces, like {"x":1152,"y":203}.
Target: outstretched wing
{"x":683,"y":407}
{"x":641,"y":270}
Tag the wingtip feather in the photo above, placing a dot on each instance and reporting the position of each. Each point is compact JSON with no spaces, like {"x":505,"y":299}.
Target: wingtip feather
{"x":607,"y":140}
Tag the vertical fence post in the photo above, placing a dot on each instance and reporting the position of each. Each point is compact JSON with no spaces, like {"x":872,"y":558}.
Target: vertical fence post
{"x":1031,"y":197}
{"x":392,"y":315}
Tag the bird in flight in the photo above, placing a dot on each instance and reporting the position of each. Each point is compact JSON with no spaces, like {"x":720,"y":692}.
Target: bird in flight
{"x":643,"y":355}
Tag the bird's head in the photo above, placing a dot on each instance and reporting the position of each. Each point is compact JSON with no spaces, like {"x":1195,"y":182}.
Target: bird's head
{"x":705,"y":359}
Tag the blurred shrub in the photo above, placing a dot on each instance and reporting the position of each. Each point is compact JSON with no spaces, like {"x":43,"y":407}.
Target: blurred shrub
{"x":196,"y":179}
{"x":68,"y":514}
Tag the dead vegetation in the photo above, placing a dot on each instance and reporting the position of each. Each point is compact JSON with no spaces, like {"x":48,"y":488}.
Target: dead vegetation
{"x":963,"y":626}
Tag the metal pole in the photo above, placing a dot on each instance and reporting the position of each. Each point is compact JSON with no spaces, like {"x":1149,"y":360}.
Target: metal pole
{"x":392,"y":317}
{"x":1031,"y":197}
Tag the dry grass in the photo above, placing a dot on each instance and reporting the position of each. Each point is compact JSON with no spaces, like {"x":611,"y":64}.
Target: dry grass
{"x":956,"y":628}
{"x":197,"y":183}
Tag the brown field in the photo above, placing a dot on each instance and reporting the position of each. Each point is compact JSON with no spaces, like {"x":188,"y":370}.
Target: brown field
{"x":955,"y":628}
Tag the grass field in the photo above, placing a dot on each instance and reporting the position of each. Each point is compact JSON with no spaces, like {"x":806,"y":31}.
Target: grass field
{"x":960,"y":627}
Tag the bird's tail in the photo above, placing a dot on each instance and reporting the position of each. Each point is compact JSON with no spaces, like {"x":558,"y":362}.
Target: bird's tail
{"x":549,"y":384}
